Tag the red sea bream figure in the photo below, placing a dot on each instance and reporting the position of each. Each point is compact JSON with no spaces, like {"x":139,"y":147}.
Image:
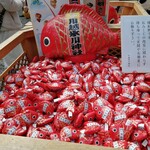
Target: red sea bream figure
{"x":77,"y":33}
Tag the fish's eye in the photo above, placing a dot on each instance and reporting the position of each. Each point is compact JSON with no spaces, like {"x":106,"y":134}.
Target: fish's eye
{"x":112,"y":21}
{"x":97,"y":142}
{"x":90,"y":119}
{"x":114,"y":130}
{"x":96,"y":108}
{"x":116,"y":91}
{"x":35,"y":104}
{"x":99,"y":112}
{"x":9,"y":124}
{"x":74,"y":131}
{"x":118,"y":105}
{"x":11,"y":103}
{"x":48,"y":113}
{"x":136,"y":134}
{"x":55,"y":135}
{"x":33,"y":117}
{"x":41,"y":135}
{"x":46,"y":41}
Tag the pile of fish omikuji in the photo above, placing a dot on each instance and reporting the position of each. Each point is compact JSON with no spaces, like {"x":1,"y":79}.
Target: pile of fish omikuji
{"x":91,"y":103}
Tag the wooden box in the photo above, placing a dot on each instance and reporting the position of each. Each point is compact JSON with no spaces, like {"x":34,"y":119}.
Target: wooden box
{"x":26,"y":38}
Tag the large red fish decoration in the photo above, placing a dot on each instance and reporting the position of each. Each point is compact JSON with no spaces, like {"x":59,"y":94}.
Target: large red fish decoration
{"x":77,"y":33}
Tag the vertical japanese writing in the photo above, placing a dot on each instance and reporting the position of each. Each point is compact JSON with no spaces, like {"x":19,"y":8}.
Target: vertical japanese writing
{"x":74,"y":33}
{"x":140,"y":33}
{"x":101,"y":7}
{"x":138,"y":44}
{"x":129,"y":61}
{"x":132,"y":32}
{"x":143,"y":43}
{"x":148,"y":29}
{"x":74,"y":1}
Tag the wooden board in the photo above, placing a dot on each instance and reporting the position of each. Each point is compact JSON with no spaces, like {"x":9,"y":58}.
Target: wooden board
{"x":26,"y":38}
{"x":8,"y":142}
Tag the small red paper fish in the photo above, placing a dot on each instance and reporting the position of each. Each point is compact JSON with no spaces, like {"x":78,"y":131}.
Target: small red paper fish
{"x":48,"y":129}
{"x":117,"y":144}
{"x":33,"y":132}
{"x":27,"y":118}
{"x":69,"y":133}
{"x":61,"y":120}
{"x":91,"y":127}
{"x":43,"y":120}
{"x":12,"y":128}
{"x":10,"y":107}
{"x":3,"y":96}
{"x":139,"y":135}
{"x":85,"y":139}
{"x":121,"y":131}
{"x":113,"y":17}
{"x":77,"y":31}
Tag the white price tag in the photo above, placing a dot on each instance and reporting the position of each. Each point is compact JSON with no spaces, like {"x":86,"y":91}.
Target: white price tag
{"x":135,"y":43}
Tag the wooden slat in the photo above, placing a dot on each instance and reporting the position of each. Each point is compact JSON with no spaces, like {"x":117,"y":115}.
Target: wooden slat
{"x":30,"y":47}
{"x":133,"y":12}
{"x":8,"y":142}
{"x":139,"y":9}
{"x":122,"y":4}
{"x":126,"y":11}
{"x":114,"y":27}
{"x":14,"y":40}
{"x":10,"y":43}
{"x":11,"y":66}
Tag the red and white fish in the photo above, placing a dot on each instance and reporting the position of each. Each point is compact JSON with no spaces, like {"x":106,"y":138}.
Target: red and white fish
{"x":3,"y":96}
{"x":139,"y":135}
{"x":91,"y":127}
{"x":34,"y":132}
{"x":121,"y":131}
{"x":85,"y":139}
{"x":12,"y":128}
{"x":61,"y":120}
{"x":26,"y":118}
{"x":113,"y":16}
{"x":43,"y":120}
{"x":10,"y":109}
{"x":69,"y":133}
{"x":117,"y":144}
{"x":55,"y":136}
{"x":48,"y":129}
{"x":69,"y":33}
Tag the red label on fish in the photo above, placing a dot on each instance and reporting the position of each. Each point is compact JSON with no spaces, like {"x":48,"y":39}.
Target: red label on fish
{"x":75,"y":38}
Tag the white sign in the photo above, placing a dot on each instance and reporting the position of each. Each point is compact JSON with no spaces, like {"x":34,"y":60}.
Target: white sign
{"x":135,"y":44}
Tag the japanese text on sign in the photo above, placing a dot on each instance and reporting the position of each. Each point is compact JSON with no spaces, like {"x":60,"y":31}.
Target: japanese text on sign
{"x":135,"y":38}
{"x":74,"y":1}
